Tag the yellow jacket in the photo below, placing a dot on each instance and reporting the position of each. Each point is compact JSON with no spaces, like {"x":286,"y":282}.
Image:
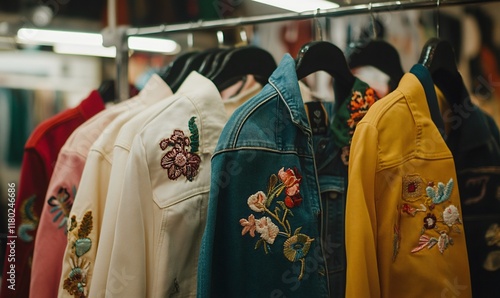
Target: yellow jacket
{"x":404,"y":234}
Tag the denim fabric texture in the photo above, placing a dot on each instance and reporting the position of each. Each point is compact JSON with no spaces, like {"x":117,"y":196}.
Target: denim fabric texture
{"x":268,"y":133}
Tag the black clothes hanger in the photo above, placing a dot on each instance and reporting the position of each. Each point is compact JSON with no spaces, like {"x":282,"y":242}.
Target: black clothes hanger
{"x":193,"y":63}
{"x":244,"y":61}
{"x":175,"y":68}
{"x":381,"y":55}
{"x":322,"y":55}
{"x":206,"y":65}
{"x":107,"y":91}
{"x":216,"y":63}
{"x":439,"y":58}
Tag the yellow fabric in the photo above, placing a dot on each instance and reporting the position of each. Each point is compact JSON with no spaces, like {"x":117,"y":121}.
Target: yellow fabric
{"x":396,"y":139}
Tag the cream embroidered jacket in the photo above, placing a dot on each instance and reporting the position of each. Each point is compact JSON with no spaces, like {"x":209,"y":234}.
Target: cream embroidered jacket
{"x":162,"y":209}
{"x":121,"y":153}
{"x":63,"y":186}
{"x":85,"y":217}
{"x":404,"y":232}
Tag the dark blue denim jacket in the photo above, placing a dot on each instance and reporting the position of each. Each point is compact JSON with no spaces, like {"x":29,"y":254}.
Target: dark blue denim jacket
{"x":263,"y":233}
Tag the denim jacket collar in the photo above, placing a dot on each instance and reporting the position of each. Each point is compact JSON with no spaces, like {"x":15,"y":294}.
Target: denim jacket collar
{"x":284,"y":80}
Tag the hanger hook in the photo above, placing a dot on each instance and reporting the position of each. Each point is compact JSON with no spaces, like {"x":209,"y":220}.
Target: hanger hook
{"x":372,"y":17}
{"x":190,"y":40}
{"x":437,"y":18}
{"x":243,"y":35}
{"x":220,"y":38}
{"x":318,"y":33}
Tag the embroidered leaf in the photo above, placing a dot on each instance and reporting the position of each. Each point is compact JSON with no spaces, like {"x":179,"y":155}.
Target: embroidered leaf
{"x":63,"y":223}
{"x":85,"y":225}
{"x":193,"y":128}
{"x":82,"y":246}
{"x":432,"y":242}
{"x":57,"y":216}
{"x":272,"y":183}
{"x":258,"y":243}
{"x":297,"y":230}
{"x":422,"y":243}
{"x":72,"y":224}
{"x":282,"y":204}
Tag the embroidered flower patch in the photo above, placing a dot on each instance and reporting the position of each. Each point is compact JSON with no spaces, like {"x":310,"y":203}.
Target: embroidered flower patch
{"x":76,"y":282}
{"x":182,"y":158}
{"x":276,"y":223}
{"x":492,"y":235}
{"x":441,"y":217}
{"x":61,"y":206}
{"x":29,"y":220}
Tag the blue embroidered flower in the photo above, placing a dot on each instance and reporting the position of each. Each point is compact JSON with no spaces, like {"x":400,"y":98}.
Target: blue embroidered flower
{"x":441,"y":192}
{"x":61,"y":206}
{"x":296,"y":247}
{"x":29,"y":220}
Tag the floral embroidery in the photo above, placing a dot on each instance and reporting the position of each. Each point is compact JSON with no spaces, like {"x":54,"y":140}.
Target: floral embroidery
{"x":29,"y":220}
{"x":61,"y":206}
{"x":493,"y":235}
{"x":396,"y":240}
{"x":76,"y":281}
{"x":178,"y":160}
{"x":430,"y":221}
{"x":296,"y":245}
{"x":359,"y":105}
{"x":451,"y":216}
{"x":440,"y":193}
{"x":434,"y":195}
{"x":248,"y":225}
{"x":412,"y":187}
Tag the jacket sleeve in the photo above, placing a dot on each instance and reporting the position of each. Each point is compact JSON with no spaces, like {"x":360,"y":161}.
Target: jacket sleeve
{"x":84,"y":226}
{"x":29,"y":201}
{"x":51,"y":241}
{"x":127,"y":274}
{"x":361,"y":218}
{"x":108,"y":228}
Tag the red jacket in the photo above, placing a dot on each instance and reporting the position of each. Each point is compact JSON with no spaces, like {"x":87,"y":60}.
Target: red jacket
{"x":40,"y":154}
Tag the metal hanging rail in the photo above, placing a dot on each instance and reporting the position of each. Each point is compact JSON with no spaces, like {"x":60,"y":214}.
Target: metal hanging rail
{"x":391,"y":6}
{"x":387,"y":7}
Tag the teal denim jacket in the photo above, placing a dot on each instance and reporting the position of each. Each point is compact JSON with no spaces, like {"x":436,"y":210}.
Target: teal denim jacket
{"x":264,"y":222}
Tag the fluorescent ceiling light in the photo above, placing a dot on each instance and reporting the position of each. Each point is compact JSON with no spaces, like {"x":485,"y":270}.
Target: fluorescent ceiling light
{"x":50,"y":37}
{"x":67,"y":41}
{"x":299,"y":5}
{"x":96,"y":51}
{"x":157,"y":45}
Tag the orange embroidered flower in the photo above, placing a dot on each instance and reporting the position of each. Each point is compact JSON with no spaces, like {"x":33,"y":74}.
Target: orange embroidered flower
{"x":291,"y":180}
{"x":248,"y":225}
{"x":293,"y":201}
{"x":256,"y":201}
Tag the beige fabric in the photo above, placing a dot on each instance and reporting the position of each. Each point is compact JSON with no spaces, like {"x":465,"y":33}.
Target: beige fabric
{"x":80,"y":252}
{"x":160,"y":220}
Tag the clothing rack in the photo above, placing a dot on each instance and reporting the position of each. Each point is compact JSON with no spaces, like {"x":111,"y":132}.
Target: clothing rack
{"x":391,"y":6}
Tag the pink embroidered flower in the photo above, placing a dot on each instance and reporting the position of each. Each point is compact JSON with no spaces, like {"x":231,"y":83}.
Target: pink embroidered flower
{"x":256,"y":201}
{"x":293,"y":201}
{"x":450,"y":215}
{"x":291,"y":180}
{"x":180,"y":162}
{"x":179,"y":139}
{"x":164,"y":144}
{"x":248,"y":225}
{"x":267,"y":229}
